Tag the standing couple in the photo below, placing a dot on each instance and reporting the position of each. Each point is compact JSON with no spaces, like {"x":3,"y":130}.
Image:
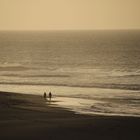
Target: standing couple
{"x":49,"y":96}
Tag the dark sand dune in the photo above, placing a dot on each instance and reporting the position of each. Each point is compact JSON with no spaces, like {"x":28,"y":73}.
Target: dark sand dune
{"x":29,"y":117}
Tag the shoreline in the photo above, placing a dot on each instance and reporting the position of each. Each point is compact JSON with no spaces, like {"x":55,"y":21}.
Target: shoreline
{"x":28,"y":116}
{"x":89,"y":101}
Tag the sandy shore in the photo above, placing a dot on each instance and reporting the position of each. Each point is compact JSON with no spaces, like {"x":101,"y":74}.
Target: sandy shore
{"x":30,"y":117}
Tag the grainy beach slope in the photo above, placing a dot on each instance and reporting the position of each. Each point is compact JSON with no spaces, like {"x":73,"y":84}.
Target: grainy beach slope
{"x":30,"y":117}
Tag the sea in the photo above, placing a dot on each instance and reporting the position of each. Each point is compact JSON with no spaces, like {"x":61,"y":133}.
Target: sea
{"x":94,"y":72}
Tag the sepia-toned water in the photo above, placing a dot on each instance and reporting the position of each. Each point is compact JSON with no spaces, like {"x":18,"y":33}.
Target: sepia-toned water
{"x":93,"y":72}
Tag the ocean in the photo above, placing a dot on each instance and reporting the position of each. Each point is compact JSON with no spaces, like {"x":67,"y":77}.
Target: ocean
{"x":91,"y":72}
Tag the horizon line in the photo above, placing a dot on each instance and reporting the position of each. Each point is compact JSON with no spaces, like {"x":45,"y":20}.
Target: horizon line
{"x":109,"y":29}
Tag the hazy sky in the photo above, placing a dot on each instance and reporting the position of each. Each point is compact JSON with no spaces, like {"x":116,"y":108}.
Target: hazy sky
{"x":69,"y":14}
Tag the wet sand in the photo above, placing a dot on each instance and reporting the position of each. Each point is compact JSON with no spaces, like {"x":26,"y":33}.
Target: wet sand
{"x":30,"y":117}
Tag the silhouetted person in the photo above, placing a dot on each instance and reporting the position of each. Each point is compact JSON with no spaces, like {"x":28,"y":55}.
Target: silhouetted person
{"x":45,"y":95}
{"x":50,"y":95}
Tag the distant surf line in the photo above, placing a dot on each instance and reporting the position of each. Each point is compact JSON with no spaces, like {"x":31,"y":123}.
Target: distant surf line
{"x":133,"y":87}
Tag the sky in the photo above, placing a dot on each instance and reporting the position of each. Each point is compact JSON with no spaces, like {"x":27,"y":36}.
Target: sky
{"x":69,"y":14}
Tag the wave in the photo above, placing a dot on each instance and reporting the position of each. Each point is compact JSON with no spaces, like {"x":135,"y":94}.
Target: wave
{"x":109,"y":111}
{"x":43,"y":75}
{"x":13,"y":68}
{"x":127,"y":76}
{"x":97,"y":85}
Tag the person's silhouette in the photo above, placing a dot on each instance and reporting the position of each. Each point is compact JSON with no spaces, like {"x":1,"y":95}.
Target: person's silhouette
{"x":45,"y":95}
{"x":50,"y":95}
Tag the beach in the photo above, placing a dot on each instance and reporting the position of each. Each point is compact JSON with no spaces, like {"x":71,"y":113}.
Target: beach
{"x":91,"y":72}
{"x":25,"y":116}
